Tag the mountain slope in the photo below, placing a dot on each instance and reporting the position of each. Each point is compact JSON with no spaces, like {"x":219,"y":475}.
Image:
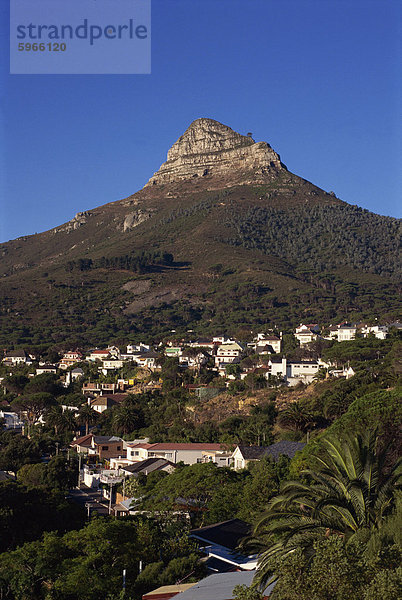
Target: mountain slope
{"x":252,"y":244}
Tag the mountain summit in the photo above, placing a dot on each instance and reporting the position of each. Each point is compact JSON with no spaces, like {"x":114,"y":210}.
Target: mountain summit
{"x":212,"y":150}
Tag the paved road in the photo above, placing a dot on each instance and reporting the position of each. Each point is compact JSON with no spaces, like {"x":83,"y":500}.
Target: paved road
{"x":89,"y":497}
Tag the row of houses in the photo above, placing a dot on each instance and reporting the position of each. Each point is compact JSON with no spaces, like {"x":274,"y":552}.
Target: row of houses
{"x":221,"y":348}
{"x":121,"y":454}
{"x":344,"y":332}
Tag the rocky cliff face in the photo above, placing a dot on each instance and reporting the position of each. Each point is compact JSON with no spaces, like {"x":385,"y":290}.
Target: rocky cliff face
{"x":210,"y":150}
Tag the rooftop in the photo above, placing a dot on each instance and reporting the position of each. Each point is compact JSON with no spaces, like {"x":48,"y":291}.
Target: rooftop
{"x":227,"y":533}
{"x":219,"y":586}
{"x":150,"y":464}
{"x":275,"y":450}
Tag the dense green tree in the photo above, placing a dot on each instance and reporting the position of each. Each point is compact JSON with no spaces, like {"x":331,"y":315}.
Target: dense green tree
{"x":264,"y":482}
{"x":15,"y":383}
{"x":44,"y":383}
{"x":337,"y":572}
{"x":88,"y":564}
{"x":61,"y":420}
{"x":34,"y":405}
{"x":196,"y":487}
{"x":33,"y":475}
{"x":17,"y":451}
{"x":242,"y":592}
{"x":61,"y":473}
{"x":26,"y":512}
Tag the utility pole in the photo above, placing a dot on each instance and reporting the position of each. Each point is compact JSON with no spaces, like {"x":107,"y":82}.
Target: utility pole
{"x":79,"y":470}
{"x":110,"y":498}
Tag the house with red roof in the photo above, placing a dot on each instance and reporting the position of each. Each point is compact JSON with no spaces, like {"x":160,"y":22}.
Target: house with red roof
{"x":190,"y":453}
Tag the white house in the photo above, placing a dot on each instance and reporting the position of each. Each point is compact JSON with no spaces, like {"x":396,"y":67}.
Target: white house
{"x":379,"y":331}
{"x":343,"y":333}
{"x":11,"y":420}
{"x":187,"y":359}
{"x":98,"y":355}
{"x":111,"y":364}
{"x":147,"y":359}
{"x":203,"y":343}
{"x":187,"y":453}
{"x":105,"y":401}
{"x":346,"y":332}
{"x":278,"y":367}
{"x":70,"y":358}
{"x":228,"y":353}
{"x":294,"y":372}
{"x":221,"y":339}
{"x":306,"y":334}
{"x":244,"y":455}
{"x":17,"y":357}
{"x":221,"y":458}
{"x":46,"y":369}
{"x":173,"y":351}
{"x":131,"y":348}
{"x":303,"y":371}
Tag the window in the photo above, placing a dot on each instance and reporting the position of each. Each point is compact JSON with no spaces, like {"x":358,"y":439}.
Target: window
{"x":118,"y":447}
{"x":105,"y":447}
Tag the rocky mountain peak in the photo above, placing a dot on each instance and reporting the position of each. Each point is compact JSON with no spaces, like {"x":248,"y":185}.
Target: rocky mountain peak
{"x":213,"y":151}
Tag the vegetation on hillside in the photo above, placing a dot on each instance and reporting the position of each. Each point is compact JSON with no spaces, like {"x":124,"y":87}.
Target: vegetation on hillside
{"x":246,"y":256}
{"x":326,"y":238}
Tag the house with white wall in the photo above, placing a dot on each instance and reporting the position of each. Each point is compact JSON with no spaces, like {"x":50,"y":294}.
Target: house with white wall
{"x":188,"y":359}
{"x":244,"y":455}
{"x":17,"y":357}
{"x":265,"y":343}
{"x":147,"y":359}
{"x":294,"y":372}
{"x":111,"y":364}
{"x":228,"y":353}
{"x":131,"y":348}
{"x":343,"y":333}
{"x":188,"y":453}
{"x":379,"y":331}
{"x":306,"y":334}
{"x":346,"y":332}
{"x":70,"y":358}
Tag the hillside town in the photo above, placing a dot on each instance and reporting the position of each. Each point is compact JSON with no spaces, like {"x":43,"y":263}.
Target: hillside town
{"x":112,"y":468}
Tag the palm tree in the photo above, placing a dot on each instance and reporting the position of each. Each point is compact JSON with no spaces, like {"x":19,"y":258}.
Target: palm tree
{"x":348,"y":493}
{"x":297,"y":418}
{"x":87,"y":416}
{"x":61,"y":420}
{"x":127,"y":417}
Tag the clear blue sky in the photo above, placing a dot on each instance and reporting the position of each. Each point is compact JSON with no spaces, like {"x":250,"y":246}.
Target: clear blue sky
{"x":318,"y":79}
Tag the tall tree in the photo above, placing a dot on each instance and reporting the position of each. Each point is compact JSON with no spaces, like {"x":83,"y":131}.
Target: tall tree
{"x":34,"y":405}
{"x":296,"y":417}
{"x":87,"y":416}
{"x":128,"y":417}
